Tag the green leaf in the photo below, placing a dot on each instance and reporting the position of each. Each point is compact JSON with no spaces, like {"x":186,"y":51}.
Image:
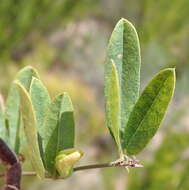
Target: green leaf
{"x":12,"y":116}
{"x":40,"y":100}
{"x":25,"y":75}
{"x":113,"y":103}
{"x":59,"y":127}
{"x":30,"y":129}
{"x":66,"y":131}
{"x":52,"y":118}
{"x":2,"y":120}
{"x":66,"y":103}
{"x":149,"y":111}
{"x":124,"y":50}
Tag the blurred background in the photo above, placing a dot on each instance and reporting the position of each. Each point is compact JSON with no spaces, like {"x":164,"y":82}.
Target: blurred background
{"x":66,"y":41}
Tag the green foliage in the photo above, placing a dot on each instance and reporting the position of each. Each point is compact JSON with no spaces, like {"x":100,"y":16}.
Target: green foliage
{"x":133,"y":123}
{"x":149,"y":111}
{"x":49,"y":126}
{"x":30,"y":129}
{"x":124,"y":50}
{"x":168,"y":168}
{"x":59,"y":122}
{"x":40,"y":100}
{"x":113,"y":103}
{"x":20,"y":19}
{"x":12,"y":113}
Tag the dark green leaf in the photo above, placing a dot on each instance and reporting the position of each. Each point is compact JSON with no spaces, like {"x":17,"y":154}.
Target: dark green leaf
{"x":149,"y":111}
{"x":51,"y":119}
{"x":59,"y":127}
{"x":66,"y":131}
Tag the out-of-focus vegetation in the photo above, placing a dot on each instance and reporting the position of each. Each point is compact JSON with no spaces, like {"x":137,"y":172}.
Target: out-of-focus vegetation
{"x":66,"y":40}
{"x":21,"y":21}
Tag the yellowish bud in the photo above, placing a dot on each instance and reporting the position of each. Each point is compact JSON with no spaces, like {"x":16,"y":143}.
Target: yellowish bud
{"x":65,"y":160}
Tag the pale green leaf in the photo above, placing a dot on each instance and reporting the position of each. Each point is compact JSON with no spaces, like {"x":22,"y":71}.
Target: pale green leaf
{"x":124,"y":50}
{"x":30,"y":129}
{"x":40,"y":100}
{"x":24,"y":76}
{"x":66,"y":103}
{"x":113,"y":103}
{"x":149,"y":111}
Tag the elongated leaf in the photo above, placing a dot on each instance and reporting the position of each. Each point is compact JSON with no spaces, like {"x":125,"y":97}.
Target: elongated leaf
{"x":40,"y":100}
{"x":67,"y":125}
{"x":30,"y":129}
{"x":59,"y":126}
{"x":124,"y":50}
{"x":25,"y":76}
{"x":52,"y":118}
{"x":149,"y":111}
{"x":12,"y":114}
{"x":66,"y":103}
{"x":2,"y":120}
{"x":12,"y":104}
{"x":66,"y":131}
{"x":113,"y":103}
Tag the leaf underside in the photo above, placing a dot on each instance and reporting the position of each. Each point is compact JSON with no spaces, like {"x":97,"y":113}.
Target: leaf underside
{"x":30,"y":129}
{"x":40,"y":100}
{"x":12,"y":114}
{"x":149,"y":112}
{"x":113,"y":103}
{"x":124,"y":51}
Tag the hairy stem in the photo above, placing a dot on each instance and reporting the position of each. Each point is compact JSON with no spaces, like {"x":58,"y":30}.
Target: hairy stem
{"x":117,"y":163}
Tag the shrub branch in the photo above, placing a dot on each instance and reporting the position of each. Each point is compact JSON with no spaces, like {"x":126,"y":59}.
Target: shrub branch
{"x":117,"y":163}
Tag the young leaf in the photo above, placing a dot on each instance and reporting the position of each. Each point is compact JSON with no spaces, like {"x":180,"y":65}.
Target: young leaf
{"x":40,"y":100}
{"x":30,"y":129}
{"x":124,"y":50}
{"x":65,"y":161}
{"x":113,"y":103}
{"x":59,"y":127}
{"x":12,"y":104}
{"x":149,"y":111}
